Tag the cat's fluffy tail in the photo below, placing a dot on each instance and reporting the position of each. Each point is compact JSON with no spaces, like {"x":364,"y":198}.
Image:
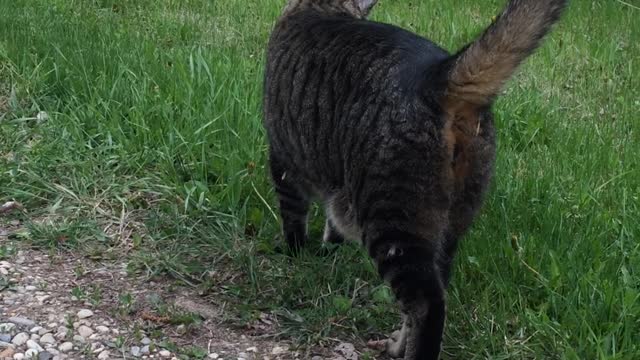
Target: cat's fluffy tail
{"x":480,"y":69}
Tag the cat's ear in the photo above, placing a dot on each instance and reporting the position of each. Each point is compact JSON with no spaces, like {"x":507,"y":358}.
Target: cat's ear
{"x":365,"y":5}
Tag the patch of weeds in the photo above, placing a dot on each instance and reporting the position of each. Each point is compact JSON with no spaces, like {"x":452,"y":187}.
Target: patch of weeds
{"x":194,"y":352}
{"x":184,"y":318}
{"x":119,"y":342}
{"x":79,"y":270}
{"x":79,"y":293}
{"x":7,"y":251}
{"x":4,"y":283}
{"x":189,"y":352}
{"x":174,"y":315}
{"x":65,"y":233}
{"x":68,"y":322}
{"x":93,"y":294}
{"x":126,"y":304}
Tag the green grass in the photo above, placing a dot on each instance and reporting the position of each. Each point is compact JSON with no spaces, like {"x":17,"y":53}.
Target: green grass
{"x":154,"y":147}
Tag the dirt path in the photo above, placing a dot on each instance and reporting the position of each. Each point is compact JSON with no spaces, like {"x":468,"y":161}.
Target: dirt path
{"x":62,"y":306}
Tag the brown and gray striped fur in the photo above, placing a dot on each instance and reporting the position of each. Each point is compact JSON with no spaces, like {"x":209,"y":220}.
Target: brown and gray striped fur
{"x":393,"y":135}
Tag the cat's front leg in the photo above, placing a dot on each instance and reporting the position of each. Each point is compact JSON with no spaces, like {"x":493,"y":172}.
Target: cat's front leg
{"x":331,"y":234}
{"x":397,"y":343}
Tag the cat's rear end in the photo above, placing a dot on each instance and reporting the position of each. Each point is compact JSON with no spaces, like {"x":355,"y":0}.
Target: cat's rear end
{"x":393,"y":135}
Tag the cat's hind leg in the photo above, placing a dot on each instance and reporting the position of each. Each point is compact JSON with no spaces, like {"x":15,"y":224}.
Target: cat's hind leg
{"x":294,"y":205}
{"x":409,"y":264}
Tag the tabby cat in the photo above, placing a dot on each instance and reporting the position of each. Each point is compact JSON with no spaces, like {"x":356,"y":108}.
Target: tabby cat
{"x":394,"y":136}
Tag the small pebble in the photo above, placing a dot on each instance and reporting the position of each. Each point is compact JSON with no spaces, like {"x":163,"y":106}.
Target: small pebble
{"x":213,"y":356}
{"x":20,"y":339}
{"x":145,"y":341}
{"x":85,"y":331}
{"x":22,"y":321}
{"x":85,"y":313}
{"x":61,"y":335}
{"x":65,"y":346}
{"x":34,"y":330}
{"x":135,"y":351}
{"x":34,"y":346}
{"x":104,"y":355}
{"x":144,"y":350}
{"x":53,"y":351}
{"x":165,"y":353}
{"x":18,"y":356}
{"x":278,"y":350}
{"x":45,"y":355}
{"x":102,"y":329}
{"x":47,"y":339}
{"x":7,"y":353}
{"x":5,"y":338}
{"x":31,"y":353}
{"x":78,"y":338}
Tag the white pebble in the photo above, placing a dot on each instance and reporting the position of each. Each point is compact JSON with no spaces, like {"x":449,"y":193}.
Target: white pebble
{"x":278,"y":350}
{"x":85,"y":331}
{"x":20,"y":339}
{"x":62,"y":333}
{"x":34,"y":345}
{"x":213,"y":356}
{"x":102,"y":329}
{"x":47,"y":339}
{"x":165,"y":353}
{"x":78,"y":338}
{"x":85,"y":313}
{"x":135,"y":351}
{"x":31,"y":353}
{"x":104,"y":355}
{"x":18,"y":356}
{"x":65,"y":346}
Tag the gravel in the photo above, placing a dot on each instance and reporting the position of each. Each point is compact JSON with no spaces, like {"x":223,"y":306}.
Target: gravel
{"x":41,"y":319}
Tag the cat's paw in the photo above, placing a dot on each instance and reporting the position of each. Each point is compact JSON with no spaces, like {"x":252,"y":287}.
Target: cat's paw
{"x":396,"y":344}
